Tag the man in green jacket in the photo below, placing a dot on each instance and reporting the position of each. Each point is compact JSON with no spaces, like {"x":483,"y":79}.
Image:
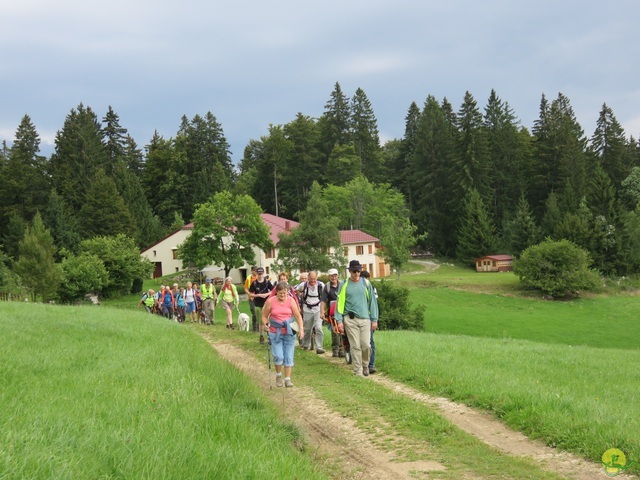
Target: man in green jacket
{"x":357,"y":314}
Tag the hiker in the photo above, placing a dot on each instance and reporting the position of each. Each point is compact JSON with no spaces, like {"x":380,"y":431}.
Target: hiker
{"x":181,"y":305}
{"x":372,"y":357}
{"x":310,"y":294}
{"x":330,"y":294}
{"x":258,"y":293}
{"x":190,"y":300}
{"x":230,"y":300}
{"x":175,"y":292}
{"x":252,"y":308}
{"x":167,"y":302}
{"x":278,"y":315}
{"x":209,"y":296}
{"x":148,"y":300}
{"x":357,"y":313}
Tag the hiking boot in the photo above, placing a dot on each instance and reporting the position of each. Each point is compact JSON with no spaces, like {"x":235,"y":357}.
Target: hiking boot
{"x":334,"y":353}
{"x":319,"y":351}
{"x":279,"y":381}
{"x":365,"y":371}
{"x":261,"y":339}
{"x":372,"y":369}
{"x":288,"y":382}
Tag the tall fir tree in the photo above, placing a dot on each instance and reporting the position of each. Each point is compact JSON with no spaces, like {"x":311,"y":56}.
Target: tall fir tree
{"x":477,"y":234}
{"x":401,"y":165}
{"x":611,"y":148}
{"x":104,"y":211}
{"x":335,"y":122}
{"x":435,"y":196}
{"x":365,"y":136}
{"x":24,"y":187}
{"x":508,"y":155}
{"x":36,"y":264}
{"x":62,"y":223}
{"x":472,"y":167}
{"x":521,"y":231}
{"x":79,"y":152}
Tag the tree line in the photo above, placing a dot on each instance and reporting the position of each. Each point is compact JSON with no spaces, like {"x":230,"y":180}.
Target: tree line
{"x":463,"y":182}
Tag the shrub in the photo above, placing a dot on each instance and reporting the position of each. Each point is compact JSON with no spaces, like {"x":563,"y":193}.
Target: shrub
{"x":395,"y":310}
{"x":556,"y":267}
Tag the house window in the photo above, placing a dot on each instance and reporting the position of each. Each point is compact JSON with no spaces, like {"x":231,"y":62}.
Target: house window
{"x":494,"y":263}
{"x":174,"y":251}
{"x":370,"y":249}
{"x":155,"y":253}
{"x":270,"y":253}
{"x":346,"y":251}
{"x":371,"y":268}
{"x":359,"y":249}
{"x":177,"y":270}
{"x":266,"y":270}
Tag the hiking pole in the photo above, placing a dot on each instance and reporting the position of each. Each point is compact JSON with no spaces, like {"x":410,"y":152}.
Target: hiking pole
{"x":269,"y":360}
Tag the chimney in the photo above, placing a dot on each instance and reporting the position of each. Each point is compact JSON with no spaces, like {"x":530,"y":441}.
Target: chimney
{"x":287,"y":225}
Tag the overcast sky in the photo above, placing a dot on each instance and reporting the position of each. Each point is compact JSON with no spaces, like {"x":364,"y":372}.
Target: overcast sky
{"x":254,"y":63}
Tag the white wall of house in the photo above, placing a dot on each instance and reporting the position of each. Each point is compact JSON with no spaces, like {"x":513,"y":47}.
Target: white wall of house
{"x":163,"y":255}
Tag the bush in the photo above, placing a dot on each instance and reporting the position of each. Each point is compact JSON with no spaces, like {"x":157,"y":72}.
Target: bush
{"x":81,"y":274}
{"x":395,"y":311}
{"x":556,"y":267}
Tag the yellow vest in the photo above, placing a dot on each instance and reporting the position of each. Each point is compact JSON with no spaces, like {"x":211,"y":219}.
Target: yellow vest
{"x":207,"y":292}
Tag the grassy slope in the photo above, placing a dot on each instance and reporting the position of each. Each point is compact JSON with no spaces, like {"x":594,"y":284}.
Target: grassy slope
{"x":97,"y":393}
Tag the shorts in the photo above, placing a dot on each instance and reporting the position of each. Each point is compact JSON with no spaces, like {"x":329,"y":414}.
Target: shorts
{"x":191,"y":307}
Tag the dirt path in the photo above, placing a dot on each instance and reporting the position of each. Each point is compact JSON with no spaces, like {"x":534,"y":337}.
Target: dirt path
{"x":329,"y":431}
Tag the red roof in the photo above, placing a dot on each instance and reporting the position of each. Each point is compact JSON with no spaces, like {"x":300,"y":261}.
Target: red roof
{"x":356,"y":236}
{"x":277,"y":225}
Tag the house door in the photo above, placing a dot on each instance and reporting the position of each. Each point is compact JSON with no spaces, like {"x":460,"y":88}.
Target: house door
{"x":158,"y":270}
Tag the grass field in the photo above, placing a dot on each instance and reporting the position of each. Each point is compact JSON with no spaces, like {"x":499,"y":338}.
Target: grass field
{"x":88,"y":392}
{"x":565,"y":372}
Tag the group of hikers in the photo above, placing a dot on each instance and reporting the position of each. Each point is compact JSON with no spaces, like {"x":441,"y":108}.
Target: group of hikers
{"x":281,"y":311}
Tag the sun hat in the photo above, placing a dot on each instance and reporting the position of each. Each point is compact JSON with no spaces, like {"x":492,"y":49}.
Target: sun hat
{"x":354,"y":266}
{"x":332,"y":271}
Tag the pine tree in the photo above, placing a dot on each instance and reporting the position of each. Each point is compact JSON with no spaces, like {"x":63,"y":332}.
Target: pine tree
{"x":79,"y":152}
{"x":435,"y":196}
{"x":36,"y":261}
{"x":335,"y":123}
{"x":477,"y":236}
{"x":366,"y":140}
{"x":508,"y":153}
{"x":158,"y":178}
{"x":104,"y":212}
{"x":522,"y":232}
{"x":611,"y":147}
{"x":559,"y":155}
{"x":401,"y":165}
{"x":62,"y":223}
{"x":24,"y":186}
{"x":114,"y":140}
{"x":472,"y":161}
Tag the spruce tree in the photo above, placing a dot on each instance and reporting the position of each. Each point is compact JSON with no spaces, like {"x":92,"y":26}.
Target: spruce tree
{"x":366,"y":140}
{"x":477,"y":234}
{"x":521,"y":232}
{"x":335,"y":123}
{"x":611,"y":147}
{"x":24,"y":187}
{"x":36,"y":261}
{"x":79,"y":152}
{"x":62,"y":223}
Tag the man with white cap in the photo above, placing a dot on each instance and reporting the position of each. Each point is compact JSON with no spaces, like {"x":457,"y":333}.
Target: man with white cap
{"x":330,"y":294}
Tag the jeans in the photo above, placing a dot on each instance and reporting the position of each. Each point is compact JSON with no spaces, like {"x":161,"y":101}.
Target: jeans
{"x":282,"y":349}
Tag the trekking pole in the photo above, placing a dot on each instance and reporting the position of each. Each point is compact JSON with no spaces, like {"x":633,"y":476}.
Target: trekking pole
{"x":269,"y":360}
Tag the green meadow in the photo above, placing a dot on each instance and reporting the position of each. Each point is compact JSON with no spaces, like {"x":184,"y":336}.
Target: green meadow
{"x":100,"y":392}
{"x":91,"y":392}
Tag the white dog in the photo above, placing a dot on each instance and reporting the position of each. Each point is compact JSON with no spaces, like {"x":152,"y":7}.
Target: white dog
{"x":243,"y":322}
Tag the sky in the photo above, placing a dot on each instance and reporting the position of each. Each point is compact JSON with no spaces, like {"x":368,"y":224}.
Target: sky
{"x":254,"y":63}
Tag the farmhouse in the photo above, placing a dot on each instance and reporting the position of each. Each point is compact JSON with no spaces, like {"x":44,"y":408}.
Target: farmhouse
{"x":494,"y":263}
{"x":355,"y":243}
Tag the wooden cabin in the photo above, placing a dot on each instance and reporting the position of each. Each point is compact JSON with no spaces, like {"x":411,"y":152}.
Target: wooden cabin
{"x":494,"y":263}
